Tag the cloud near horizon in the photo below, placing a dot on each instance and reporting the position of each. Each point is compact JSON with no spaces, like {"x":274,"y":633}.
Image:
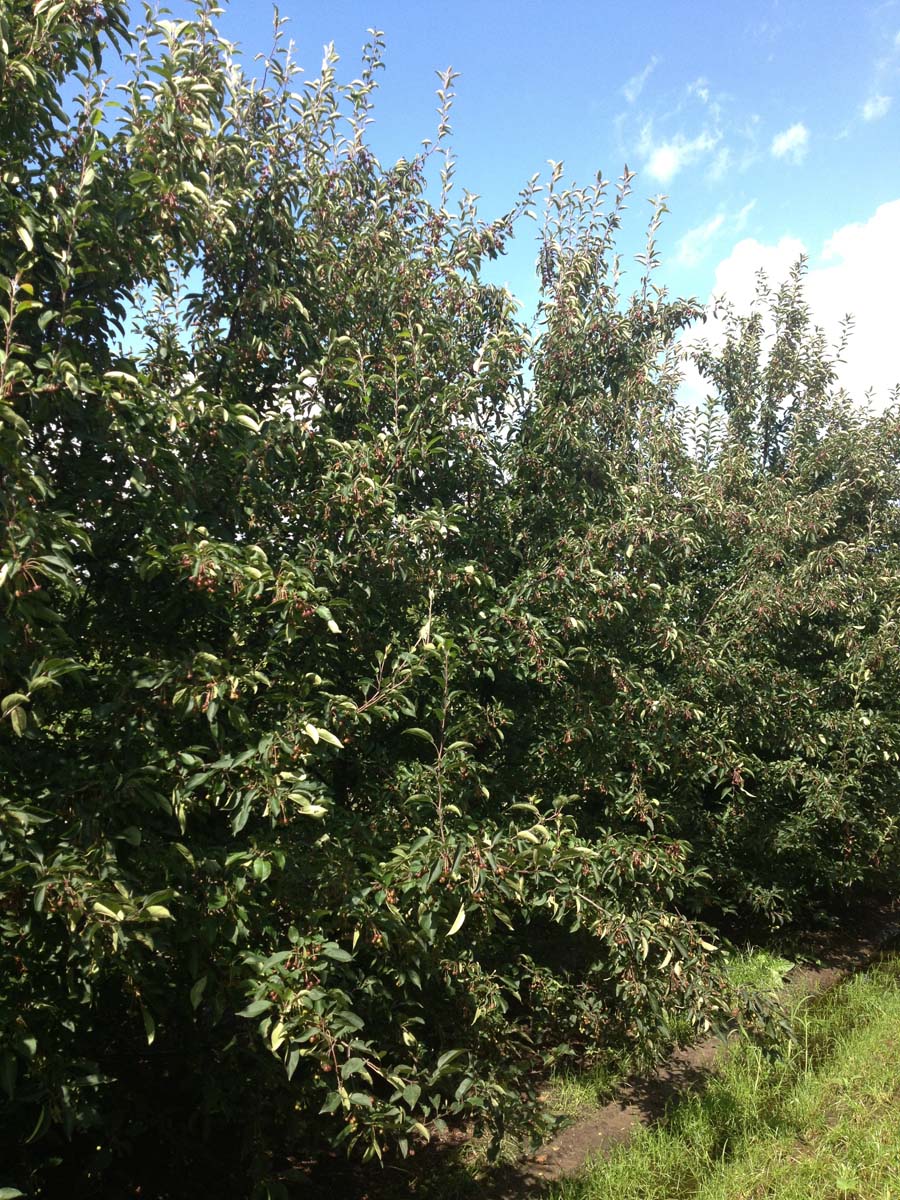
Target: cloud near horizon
{"x":855,"y":273}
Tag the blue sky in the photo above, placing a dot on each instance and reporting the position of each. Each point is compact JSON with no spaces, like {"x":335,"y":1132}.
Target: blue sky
{"x":771,"y":127}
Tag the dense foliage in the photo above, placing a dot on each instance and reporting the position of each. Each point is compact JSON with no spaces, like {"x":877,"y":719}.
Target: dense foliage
{"x":389,"y":690}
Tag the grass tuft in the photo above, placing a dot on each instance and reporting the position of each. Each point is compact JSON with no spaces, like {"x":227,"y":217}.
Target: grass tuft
{"x":758,"y":969}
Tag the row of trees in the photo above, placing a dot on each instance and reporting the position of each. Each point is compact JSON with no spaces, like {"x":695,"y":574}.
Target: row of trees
{"x":392,"y":693}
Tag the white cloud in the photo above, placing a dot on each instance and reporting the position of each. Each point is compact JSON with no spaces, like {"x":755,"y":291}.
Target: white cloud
{"x":855,"y":273}
{"x":736,"y":275}
{"x":720,"y":165}
{"x":668,"y":158}
{"x":791,"y":143}
{"x":875,"y":108}
{"x":665,"y":162}
{"x":742,"y":216}
{"x":694,"y":245}
{"x":635,"y":84}
{"x":699,"y":88}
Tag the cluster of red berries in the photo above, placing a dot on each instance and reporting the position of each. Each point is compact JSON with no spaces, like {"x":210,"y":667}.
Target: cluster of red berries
{"x":205,"y":579}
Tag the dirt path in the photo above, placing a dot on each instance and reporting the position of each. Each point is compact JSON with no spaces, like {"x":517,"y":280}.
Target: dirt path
{"x":642,"y":1101}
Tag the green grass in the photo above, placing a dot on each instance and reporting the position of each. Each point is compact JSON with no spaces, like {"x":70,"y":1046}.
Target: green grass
{"x":819,"y":1118}
{"x":575,"y":1093}
{"x":758,"y":969}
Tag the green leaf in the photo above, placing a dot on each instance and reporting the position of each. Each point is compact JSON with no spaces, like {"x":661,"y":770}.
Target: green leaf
{"x":447,"y":1058}
{"x":326,"y":735}
{"x":414,"y":731}
{"x":458,"y":922}
{"x":330,"y":950}
{"x":255,"y":1008}
{"x":197,"y":991}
